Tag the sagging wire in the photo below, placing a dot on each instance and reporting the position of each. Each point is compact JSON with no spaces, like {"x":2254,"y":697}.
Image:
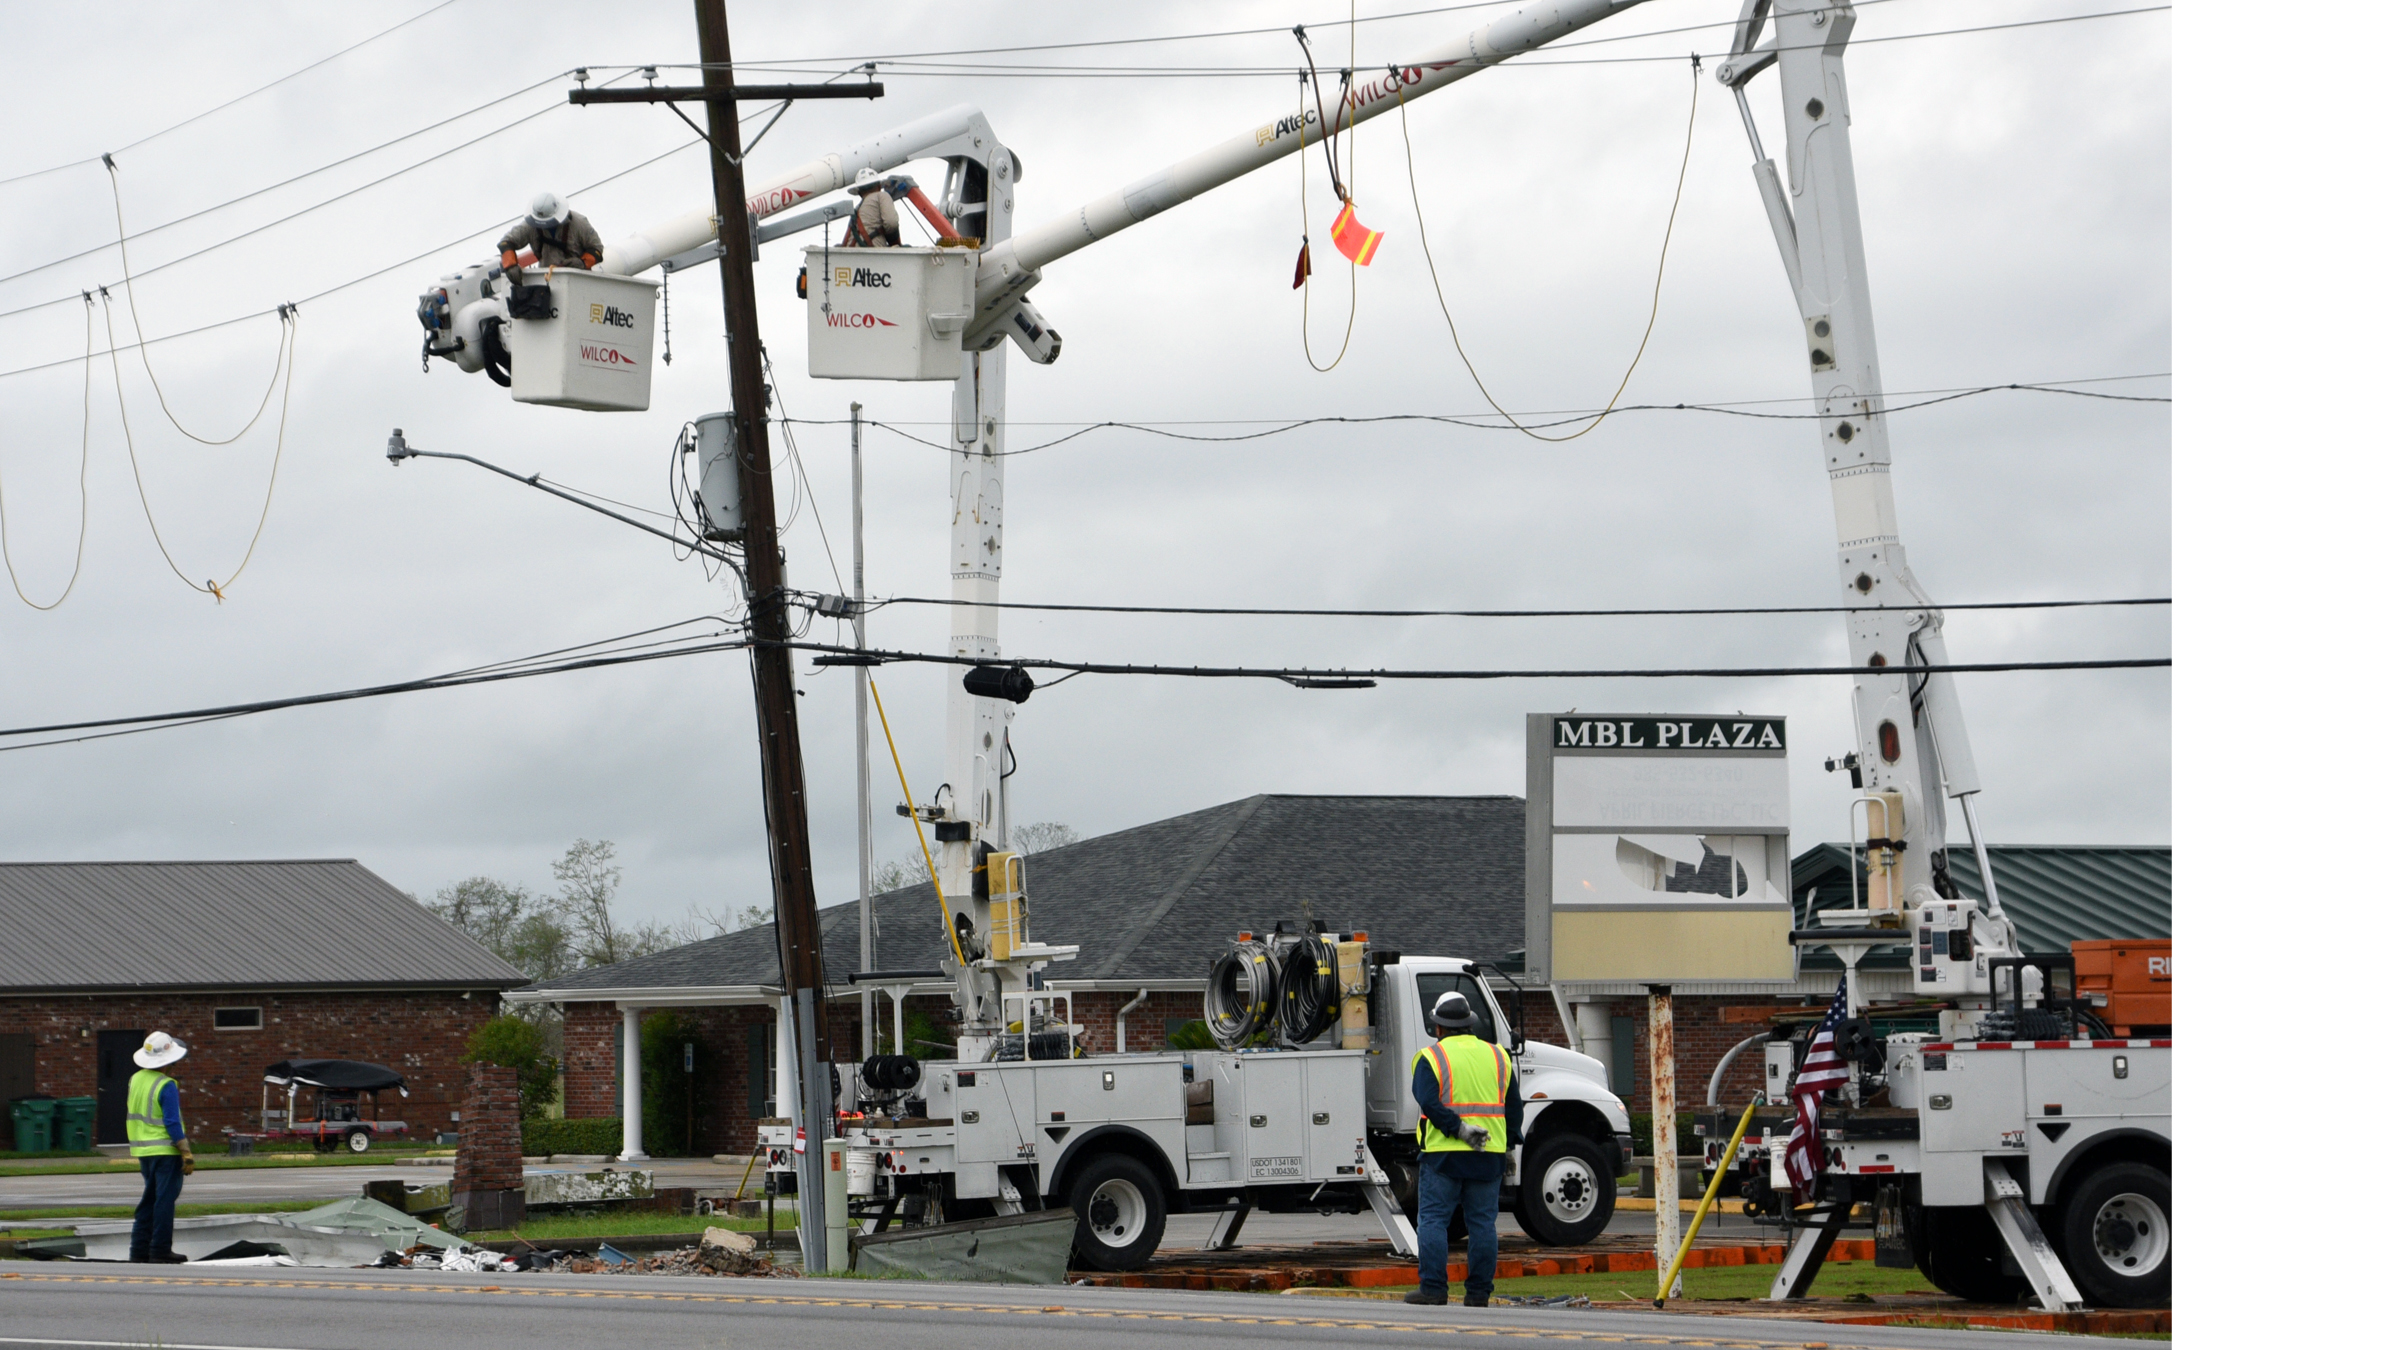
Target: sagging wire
{"x":791,"y":449}
{"x":949,"y":926}
{"x":1303,"y":270}
{"x":1657,"y":285}
{"x":83,"y":523}
{"x":287,"y":363}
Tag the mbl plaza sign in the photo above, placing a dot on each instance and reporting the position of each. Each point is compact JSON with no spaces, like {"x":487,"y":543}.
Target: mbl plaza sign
{"x":1658,"y":849}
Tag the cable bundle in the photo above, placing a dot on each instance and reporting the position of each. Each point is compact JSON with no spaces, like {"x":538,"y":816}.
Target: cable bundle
{"x":1312,"y":993}
{"x":1240,"y":1000}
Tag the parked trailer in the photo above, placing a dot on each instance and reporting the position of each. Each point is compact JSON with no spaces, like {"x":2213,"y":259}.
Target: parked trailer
{"x":336,"y":1122}
{"x":1124,"y":1140}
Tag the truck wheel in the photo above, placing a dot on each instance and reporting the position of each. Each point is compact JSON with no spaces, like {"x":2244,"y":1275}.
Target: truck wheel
{"x":1959,"y":1250}
{"x":1566,"y":1192}
{"x":1120,"y":1214}
{"x":357,"y":1141}
{"x":2116,"y":1236}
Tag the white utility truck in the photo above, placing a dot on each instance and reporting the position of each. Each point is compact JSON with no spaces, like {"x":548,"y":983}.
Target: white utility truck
{"x":2022,"y":1144}
{"x":1320,"y":1120}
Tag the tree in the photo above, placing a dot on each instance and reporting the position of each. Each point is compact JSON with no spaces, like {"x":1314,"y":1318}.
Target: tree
{"x":585,"y":906}
{"x":519,"y":1044}
{"x":1043,"y":835}
{"x":906,"y":870}
{"x":509,"y":921}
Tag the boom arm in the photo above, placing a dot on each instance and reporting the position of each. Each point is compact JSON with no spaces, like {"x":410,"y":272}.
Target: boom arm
{"x":1912,"y":735}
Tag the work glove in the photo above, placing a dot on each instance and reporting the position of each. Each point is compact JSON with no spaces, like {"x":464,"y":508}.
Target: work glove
{"x":590,"y":262}
{"x":1478,"y":1138}
{"x":508,"y":257}
{"x":190,"y":1164}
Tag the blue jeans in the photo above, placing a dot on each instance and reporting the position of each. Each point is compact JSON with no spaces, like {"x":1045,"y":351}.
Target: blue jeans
{"x":154,"y":1217}
{"x":1440,"y":1193}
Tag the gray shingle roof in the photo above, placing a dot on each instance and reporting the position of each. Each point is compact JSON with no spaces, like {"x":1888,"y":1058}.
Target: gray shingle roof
{"x":94,"y":927}
{"x":1427,"y":875}
{"x":2054,"y":893}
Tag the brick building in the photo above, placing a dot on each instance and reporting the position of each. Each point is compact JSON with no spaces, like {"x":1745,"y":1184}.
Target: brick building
{"x":1152,"y":906}
{"x":248,"y":963}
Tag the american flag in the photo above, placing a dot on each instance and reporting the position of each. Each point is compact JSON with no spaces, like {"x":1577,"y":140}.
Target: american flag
{"x":1821,"y":1071}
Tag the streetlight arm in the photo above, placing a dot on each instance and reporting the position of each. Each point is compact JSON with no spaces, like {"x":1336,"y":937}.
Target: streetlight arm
{"x":398,"y":449}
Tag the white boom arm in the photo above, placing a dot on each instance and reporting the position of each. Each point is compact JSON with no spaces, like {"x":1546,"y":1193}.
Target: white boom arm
{"x":1015,"y":267}
{"x":1912,"y":735}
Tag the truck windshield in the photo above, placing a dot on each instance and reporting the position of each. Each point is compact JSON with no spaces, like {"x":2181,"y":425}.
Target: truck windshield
{"x":1431,"y":987}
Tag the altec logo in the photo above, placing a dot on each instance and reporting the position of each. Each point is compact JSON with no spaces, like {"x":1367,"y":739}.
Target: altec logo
{"x":612,"y":316}
{"x":861,"y":276}
{"x":833,"y":320}
{"x":601,"y":354}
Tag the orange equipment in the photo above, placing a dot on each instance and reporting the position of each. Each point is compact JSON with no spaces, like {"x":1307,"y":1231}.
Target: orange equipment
{"x":2130,"y":982}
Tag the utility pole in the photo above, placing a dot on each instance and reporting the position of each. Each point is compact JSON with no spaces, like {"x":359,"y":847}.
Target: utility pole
{"x":858,"y":692}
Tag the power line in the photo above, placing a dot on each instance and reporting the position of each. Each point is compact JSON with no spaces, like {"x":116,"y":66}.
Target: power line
{"x":391,"y":267}
{"x":1291,"y":674}
{"x":280,"y":79}
{"x":1524,"y":613}
{"x":1014,"y":70}
{"x":1467,"y":420}
{"x":271,"y":187}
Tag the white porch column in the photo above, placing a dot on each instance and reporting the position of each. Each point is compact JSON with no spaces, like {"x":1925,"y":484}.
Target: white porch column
{"x":632,"y":1095}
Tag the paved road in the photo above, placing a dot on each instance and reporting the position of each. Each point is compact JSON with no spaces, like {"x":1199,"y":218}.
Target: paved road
{"x":397,"y":1310}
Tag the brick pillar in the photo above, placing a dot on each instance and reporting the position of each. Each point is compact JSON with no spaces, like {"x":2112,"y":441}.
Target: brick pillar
{"x":487,"y":1183}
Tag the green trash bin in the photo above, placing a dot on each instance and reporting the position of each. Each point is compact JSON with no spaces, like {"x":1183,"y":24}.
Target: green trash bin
{"x":33,"y":1117}
{"x":71,"y":1131}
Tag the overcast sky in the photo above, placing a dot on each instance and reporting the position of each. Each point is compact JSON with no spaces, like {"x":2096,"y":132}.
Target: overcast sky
{"x":2015,"y":191}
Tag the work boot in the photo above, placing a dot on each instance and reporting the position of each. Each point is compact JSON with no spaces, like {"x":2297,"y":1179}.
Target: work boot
{"x":1429,"y":1298}
{"x":169,"y":1258}
{"x":1474,"y":1302}
{"x":138,"y":1258}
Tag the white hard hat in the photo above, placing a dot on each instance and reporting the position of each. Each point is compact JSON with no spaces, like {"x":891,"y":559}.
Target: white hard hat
{"x":547,"y":212}
{"x":159,"y":1051}
{"x":1453,"y":1010}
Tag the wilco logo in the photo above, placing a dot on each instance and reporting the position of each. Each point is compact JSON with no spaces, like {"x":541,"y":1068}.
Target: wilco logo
{"x":860,"y":276}
{"x":595,"y":354}
{"x":857,"y":321}
{"x":612,"y":316}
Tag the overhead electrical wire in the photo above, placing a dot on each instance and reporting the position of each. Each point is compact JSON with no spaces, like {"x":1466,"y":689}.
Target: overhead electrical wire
{"x":1643,"y":613}
{"x":1464,"y":420}
{"x":83,"y":491}
{"x":240,"y":98}
{"x":389,"y":267}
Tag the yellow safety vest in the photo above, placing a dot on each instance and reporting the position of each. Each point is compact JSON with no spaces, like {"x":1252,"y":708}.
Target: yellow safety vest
{"x":145,"y":1114}
{"x":1474,"y":1085}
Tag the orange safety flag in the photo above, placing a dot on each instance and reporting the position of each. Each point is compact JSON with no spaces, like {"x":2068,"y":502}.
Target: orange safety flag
{"x":1355,"y":240}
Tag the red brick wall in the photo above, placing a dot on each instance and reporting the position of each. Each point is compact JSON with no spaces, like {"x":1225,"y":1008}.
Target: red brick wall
{"x":422,"y":1035}
{"x":491,"y":1148}
{"x":1702,"y":1037}
{"x":588,"y":1062}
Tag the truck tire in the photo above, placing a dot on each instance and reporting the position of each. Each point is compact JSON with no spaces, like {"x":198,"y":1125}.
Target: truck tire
{"x":1958,"y":1249}
{"x":1566,"y":1190}
{"x":2115,"y":1236}
{"x":1120,"y":1213}
{"x":358,"y":1141}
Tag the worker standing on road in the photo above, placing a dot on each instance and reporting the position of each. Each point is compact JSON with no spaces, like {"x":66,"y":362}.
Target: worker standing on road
{"x":1470,"y":1110}
{"x":550,"y":236}
{"x":154,"y":1126}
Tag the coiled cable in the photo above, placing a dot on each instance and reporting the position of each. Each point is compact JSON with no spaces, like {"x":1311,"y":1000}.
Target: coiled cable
{"x":1312,"y":994}
{"x":1240,"y":999}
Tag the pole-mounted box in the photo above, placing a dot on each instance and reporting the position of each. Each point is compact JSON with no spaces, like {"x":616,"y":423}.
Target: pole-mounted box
{"x":888,"y":313}
{"x":582,"y":339}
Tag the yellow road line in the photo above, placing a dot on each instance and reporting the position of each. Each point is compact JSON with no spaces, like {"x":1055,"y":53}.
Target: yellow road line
{"x":924,"y":1305}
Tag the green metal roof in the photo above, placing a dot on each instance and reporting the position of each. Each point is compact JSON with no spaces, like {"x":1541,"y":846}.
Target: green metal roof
{"x":2055,"y":893}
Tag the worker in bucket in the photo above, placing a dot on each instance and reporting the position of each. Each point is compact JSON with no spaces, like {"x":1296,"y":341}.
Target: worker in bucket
{"x":550,"y":236}
{"x":1469,"y":1111}
{"x":154,"y":1127}
{"x":877,"y":224}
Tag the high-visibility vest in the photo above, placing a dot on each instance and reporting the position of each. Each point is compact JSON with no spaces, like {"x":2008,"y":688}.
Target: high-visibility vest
{"x":145,"y":1114}
{"x":1475,"y":1085}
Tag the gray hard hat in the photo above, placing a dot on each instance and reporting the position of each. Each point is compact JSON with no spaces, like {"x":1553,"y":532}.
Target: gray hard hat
{"x":1452,"y":1010}
{"x":546,"y":212}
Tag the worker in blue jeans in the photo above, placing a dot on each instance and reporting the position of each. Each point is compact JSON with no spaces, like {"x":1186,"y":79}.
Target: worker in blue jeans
{"x":1469,"y":1111}
{"x":154,"y":1126}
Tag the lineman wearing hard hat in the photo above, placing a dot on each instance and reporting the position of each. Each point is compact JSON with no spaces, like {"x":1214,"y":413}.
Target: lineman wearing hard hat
{"x":550,"y":236}
{"x":1470,"y":1111}
{"x":154,"y":1127}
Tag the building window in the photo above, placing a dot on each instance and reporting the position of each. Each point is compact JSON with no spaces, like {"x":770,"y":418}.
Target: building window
{"x":239,"y":1019}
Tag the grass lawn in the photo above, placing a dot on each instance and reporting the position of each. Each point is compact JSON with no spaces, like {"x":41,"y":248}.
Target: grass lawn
{"x":79,"y":1165}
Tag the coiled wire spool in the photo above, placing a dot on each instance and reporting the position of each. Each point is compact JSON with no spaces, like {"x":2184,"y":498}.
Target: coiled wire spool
{"x":1240,"y":1000}
{"x":1312,"y":993}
